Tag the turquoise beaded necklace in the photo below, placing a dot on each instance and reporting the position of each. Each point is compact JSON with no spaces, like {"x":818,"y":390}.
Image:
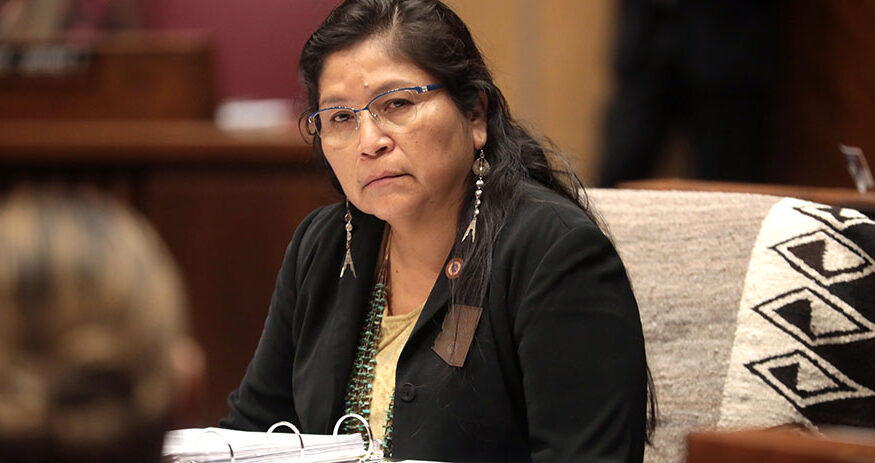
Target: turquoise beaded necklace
{"x":358,"y":392}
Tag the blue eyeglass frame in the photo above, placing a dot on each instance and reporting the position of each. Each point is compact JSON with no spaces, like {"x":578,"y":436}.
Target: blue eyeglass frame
{"x":420,"y":89}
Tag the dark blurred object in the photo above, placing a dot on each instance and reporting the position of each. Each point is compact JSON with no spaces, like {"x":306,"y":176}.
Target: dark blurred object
{"x":704,"y":67}
{"x":826,"y":95}
{"x":858,"y":167}
{"x":122,"y":76}
{"x":780,"y":445}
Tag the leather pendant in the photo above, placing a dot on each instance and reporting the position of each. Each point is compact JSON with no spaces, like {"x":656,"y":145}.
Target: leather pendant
{"x":457,"y":334}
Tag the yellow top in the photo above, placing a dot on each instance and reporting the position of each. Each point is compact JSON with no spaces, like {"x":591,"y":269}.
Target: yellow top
{"x":394,"y":331}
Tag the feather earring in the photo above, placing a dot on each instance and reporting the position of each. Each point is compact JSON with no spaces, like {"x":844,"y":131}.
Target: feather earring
{"x":347,"y":260}
{"x":480,"y":169}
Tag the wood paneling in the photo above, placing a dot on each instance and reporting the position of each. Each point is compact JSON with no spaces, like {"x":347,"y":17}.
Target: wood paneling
{"x":228,"y":229}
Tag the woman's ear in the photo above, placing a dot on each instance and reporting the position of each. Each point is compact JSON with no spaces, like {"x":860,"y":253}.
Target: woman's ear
{"x":478,"y":121}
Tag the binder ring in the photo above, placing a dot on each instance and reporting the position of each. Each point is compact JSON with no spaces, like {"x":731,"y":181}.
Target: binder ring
{"x":211,"y":431}
{"x":294,"y":429}
{"x":371,"y":444}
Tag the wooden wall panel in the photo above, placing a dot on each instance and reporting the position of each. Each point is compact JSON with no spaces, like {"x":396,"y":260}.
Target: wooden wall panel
{"x":228,"y":230}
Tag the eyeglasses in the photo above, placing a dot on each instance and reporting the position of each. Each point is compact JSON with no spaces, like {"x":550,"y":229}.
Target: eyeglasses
{"x":392,"y":110}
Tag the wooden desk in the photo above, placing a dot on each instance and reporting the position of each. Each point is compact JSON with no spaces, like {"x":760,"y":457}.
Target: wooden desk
{"x":128,"y":75}
{"x":778,"y":446}
{"x":846,"y":197}
{"x":226,"y":204}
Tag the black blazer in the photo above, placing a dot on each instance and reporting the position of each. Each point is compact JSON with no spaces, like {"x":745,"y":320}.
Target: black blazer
{"x":556,"y":371}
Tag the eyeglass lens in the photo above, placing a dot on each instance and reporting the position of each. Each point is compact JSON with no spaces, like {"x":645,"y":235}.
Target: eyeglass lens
{"x":391,"y":111}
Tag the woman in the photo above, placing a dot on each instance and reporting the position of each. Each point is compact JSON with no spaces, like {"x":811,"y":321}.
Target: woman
{"x":460,"y":298}
{"x":93,"y":348}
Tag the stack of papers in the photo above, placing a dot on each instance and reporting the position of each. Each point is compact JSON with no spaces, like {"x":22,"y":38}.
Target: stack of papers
{"x":212,"y":445}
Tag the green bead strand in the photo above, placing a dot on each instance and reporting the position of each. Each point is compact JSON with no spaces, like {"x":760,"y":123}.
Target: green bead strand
{"x":358,"y":395}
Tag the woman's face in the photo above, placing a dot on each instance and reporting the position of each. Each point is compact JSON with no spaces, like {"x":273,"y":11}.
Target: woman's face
{"x":412,"y":174}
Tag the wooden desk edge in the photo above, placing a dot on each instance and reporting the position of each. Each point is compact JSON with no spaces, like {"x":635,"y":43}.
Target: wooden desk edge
{"x":826,"y":195}
{"x":146,"y":142}
{"x":775,"y":445}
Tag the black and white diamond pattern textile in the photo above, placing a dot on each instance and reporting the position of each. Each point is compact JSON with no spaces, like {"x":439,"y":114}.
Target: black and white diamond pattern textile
{"x":815,"y":317}
{"x":805,"y":380}
{"x":804,"y":350}
{"x":826,"y":256}
{"x":837,"y":218}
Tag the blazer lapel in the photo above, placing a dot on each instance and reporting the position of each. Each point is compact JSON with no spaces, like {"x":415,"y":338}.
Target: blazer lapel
{"x":437,"y":300}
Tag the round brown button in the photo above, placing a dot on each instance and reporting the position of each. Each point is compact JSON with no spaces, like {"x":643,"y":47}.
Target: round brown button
{"x":454,"y":268}
{"x":407,"y":392}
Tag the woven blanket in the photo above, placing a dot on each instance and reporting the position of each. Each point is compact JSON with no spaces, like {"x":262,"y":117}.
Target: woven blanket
{"x":686,"y":254}
{"x":804,"y":349}
{"x":757,"y":310}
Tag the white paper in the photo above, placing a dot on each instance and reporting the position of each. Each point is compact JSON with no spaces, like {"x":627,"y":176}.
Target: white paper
{"x":211,"y":445}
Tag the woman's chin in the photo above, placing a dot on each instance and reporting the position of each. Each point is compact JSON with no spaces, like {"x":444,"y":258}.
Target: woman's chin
{"x":389,"y":210}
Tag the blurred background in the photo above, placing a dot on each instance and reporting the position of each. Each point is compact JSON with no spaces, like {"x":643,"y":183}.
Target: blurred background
{"x":187,"y":110}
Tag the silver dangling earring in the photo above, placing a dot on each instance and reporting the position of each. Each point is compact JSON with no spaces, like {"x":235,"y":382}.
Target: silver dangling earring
{"x":480,"y":169}
{"x":347,"y":261}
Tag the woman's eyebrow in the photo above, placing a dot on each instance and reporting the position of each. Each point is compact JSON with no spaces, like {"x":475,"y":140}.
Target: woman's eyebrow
{"x":384,"y":87}
{"x":391,"y":85}
{"x":332,"y":102}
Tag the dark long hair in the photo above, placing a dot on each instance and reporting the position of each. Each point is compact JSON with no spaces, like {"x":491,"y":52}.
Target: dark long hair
{"x":432,"y":36}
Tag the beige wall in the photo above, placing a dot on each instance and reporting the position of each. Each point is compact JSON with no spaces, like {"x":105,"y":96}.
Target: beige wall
{"x":551,"y":58}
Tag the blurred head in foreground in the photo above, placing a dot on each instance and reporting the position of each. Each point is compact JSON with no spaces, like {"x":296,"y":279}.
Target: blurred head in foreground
{"x":92,"y":332}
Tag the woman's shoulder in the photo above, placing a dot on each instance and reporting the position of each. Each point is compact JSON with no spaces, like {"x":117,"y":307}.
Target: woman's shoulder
{"x":542,"y":219}
{"x":542,"y":211}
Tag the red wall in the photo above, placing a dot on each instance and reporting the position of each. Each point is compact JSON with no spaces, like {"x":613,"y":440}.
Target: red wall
{"x":258,"y":42}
